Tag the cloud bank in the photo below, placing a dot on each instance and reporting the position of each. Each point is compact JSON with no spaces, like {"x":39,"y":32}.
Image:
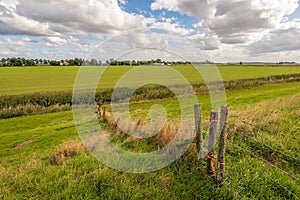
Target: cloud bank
{"x":245,"y":29}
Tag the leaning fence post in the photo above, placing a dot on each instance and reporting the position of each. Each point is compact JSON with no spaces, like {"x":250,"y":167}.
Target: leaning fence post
{"x":222,"y":144}
{"x":199,"y":137}
{"x":211,"y":143}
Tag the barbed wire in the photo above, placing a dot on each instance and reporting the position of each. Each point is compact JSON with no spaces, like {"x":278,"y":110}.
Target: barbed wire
{"x":281,"y":170}
{"x":266,"y":161}
{"x":293,"y":177}
{"x":262,"y":143}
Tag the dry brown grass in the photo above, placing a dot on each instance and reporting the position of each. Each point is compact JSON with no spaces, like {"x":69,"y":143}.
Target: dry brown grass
{"x":163,"y":136}
{"x":164,"y":133}
{"x":31,"y":165}
{"x":66,"y":151}
{"x":267,"y":112}
{"x":270,"y":110}
{"x":165,"y":183}
{"x":126,"y":125}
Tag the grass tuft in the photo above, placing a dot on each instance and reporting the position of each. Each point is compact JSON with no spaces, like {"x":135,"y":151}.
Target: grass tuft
{"x":66,"y":151}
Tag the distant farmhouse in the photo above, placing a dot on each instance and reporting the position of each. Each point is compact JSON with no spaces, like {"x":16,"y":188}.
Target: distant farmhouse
{"x":157,"y":64}
{"x":65,"y":63}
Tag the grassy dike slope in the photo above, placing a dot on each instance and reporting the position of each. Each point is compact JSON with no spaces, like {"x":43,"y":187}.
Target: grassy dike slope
{"x":54,"y":165}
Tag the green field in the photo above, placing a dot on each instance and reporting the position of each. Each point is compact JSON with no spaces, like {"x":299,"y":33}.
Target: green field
{"x":262,"y":155}
{"x":16,"y":80}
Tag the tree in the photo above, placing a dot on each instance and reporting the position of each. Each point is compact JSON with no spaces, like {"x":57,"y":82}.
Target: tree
{"x":158,"y":60}
{"x":29,"y":62}
{"x":54,"y":62}
{"x":94,"y":62}
{"x":127,"y":62}
{"x":113,"y":62}
{"x":78,"y":61}
{"x":134,"y":63}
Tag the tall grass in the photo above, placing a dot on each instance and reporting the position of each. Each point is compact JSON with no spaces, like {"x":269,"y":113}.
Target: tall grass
{"x":270,"y":130}
{"x":30,"y":109}
{"x":163,"y":134}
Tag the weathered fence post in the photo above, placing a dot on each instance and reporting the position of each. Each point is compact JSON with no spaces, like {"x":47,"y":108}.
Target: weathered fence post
{"x":98,"y":111}
{"x":199,"y":137}
{"x":222,"y":144}
{"x":104,"y":112}
{"x":211,"y":143}
{"x":137,"y":126}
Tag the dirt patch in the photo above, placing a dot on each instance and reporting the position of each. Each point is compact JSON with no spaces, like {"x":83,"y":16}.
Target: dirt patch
{"x":22,"y":144}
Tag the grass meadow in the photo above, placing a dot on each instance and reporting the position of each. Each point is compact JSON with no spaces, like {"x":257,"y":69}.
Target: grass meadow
{"x":16,"y":80}
{"x":41,"y":156}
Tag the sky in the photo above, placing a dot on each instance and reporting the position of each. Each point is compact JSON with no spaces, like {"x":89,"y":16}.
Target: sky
{"x":194,"y":30}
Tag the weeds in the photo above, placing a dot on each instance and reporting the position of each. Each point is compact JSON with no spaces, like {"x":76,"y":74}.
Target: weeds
{"x":30,"y":109}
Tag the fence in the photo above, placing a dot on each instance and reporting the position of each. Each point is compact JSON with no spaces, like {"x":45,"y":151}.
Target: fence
{"x":214,"y":170}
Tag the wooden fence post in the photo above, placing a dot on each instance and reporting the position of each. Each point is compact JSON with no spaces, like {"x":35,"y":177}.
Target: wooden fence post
{"x":137,"y":126}
{"x":104,"y":112}
{"x":211,"y":143}
{"x":222,"y":144}
{"x":199,"y":137}
{"x":98,"y":110}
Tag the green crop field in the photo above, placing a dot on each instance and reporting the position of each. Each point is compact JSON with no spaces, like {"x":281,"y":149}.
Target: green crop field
{"x":16,"y":80}
{"x":41,"y":156}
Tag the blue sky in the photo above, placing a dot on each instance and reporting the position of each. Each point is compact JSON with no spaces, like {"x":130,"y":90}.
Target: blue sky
{"x":223,"y":31}
{"x":295,"y":14}
{"x":144,"y":7}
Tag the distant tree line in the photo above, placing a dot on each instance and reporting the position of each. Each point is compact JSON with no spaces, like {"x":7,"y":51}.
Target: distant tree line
{"x":114,"y":62}
{"x":79,"y":62}
{"x":34,"y":62}
{"x":18,"y":62}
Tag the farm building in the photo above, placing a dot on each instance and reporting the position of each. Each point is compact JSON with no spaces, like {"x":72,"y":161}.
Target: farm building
{"x":64,"y":63}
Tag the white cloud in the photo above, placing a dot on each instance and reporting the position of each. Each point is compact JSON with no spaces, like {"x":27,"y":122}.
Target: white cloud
{"x":29,"y":40}
{"x":285,"y":37}
{"x":47,"y":47}
{"x":233,"y":20}
{"x":205,"y":41}
{"x":7,"y":53}
{"x":10,"y":47}
{"x":60,"y":17}
{"x":171,"y":27}
{"x":26,"y":39}
{"x":123,"y":2}
{"x":55,"y":41}
{"x":230,"y":29}
{"x":164,"y":4}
